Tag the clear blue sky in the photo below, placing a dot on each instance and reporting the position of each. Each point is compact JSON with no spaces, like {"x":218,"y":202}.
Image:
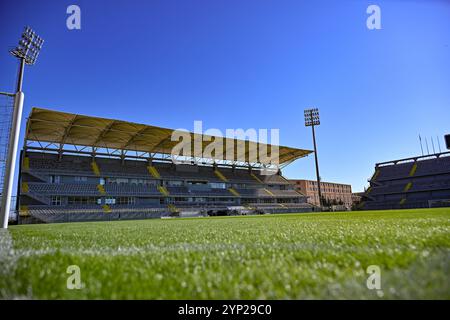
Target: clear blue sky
{"x":249,"y":64}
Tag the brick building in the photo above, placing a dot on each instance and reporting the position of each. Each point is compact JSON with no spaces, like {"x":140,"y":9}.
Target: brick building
{"x":330,"y":191}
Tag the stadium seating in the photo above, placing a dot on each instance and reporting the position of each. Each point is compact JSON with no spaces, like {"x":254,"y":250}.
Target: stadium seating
{"x":83,"y":188}
{"x":413,"y":183}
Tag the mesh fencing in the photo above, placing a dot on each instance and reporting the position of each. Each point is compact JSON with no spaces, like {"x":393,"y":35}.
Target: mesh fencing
{"x":6,"y":113}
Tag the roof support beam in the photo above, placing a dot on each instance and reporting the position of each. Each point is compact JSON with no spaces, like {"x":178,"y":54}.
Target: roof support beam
{"x":133,"y":138}
{"x":104,"y":132}
{"x":152,"y":149}
{"x":67,"y":131}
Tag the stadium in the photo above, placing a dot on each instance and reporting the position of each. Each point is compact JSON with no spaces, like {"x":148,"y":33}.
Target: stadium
{"x":102,"y":198}
{"x":110,"y":200}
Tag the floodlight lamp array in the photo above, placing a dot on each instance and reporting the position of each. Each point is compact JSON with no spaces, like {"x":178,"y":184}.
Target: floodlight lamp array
{"x":29,"y":46}
{"x":312,"y":117}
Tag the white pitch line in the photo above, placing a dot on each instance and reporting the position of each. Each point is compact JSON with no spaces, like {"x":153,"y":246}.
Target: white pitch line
{"x":8,"y":264}
{"x":183,"y":247}
{"x":7,"y":256}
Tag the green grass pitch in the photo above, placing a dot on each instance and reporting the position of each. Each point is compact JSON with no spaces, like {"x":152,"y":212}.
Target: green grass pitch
{"x":292,"y":256}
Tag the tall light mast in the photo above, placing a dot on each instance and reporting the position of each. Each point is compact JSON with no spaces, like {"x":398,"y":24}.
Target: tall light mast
{"x":27,"y":52}
{"x":312,"y":119}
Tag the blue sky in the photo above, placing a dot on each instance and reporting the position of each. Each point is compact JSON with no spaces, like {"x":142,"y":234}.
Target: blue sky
{"x":249,"y":64}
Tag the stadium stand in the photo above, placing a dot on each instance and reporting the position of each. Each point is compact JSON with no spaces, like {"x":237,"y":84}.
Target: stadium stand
{"x":418,"y":182}
{"x":66,"y":175}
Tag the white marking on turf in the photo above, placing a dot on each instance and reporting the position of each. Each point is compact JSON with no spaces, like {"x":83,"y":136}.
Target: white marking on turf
{"x":8,"y":262}
{"x":186,"y":247}
{"x":7,"y":256}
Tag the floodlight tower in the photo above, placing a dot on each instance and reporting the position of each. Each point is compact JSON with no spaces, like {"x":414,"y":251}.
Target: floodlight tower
{"x":27,"y":52}
{"x":312,"y":119}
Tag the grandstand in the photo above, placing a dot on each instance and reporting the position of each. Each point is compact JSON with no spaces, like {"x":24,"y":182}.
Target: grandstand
{"x":81,"y":168}
{"x":418,"y":182}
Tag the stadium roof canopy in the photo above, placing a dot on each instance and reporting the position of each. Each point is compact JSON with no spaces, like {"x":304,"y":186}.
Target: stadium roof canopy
{"x":63,"y":128}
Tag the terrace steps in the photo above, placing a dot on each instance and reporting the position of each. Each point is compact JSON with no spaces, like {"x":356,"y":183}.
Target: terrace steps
{"x":26,"y":163}
{"x":172,"y":208}
{"x":153,"y":172}
{"x":269,"y":192}
{"x":24,"y":188}
{"x":256,"y":178}
{"x":413,"y":169}
{"x":220,"y":175}
{"x":95,"y":168}
{"x":101,"y":189}
{"x":234,"y":192}
{"x":163,"y":190}
{"x":24,"y":211}
{"x":407,"y":186}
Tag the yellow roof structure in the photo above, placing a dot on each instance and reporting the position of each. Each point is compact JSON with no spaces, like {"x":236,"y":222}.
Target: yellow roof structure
{"x":58,"y":127}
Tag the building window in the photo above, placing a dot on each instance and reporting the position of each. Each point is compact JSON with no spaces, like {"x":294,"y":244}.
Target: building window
{"x":80,"y":179}
{"x":117,"y":180}
{"x":174,"y":183}
{"x":110,"y":200}
{"x":55,"y":179}
{"x":217,"y":185}
{"x":126,"y":200}
{"x":56,"y":200}
{"x":82,"y":200}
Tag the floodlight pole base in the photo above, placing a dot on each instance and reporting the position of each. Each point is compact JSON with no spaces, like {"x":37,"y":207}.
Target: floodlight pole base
{"x":11,"y":158}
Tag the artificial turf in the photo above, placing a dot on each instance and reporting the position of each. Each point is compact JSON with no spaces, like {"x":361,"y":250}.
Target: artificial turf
{"x":292,"y":256}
